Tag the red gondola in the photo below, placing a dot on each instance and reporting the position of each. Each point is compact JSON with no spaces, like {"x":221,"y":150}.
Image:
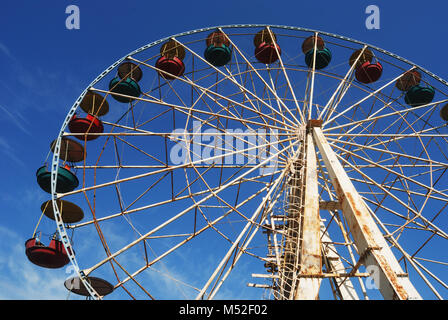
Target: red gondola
{"x":170,"y":61}
{"x":89,"y":124}
{"x":266,"y":48}
{"x":369,"y":72}
{"x":267,"y":52}
{"x":54,"y":256}
{"x":174,"y":67}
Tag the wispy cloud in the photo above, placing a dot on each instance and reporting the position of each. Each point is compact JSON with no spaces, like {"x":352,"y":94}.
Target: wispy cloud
{"x":5,"y":50}
{"x":8,"y":150}
{"x":17,"y":119}
{"x":20,"y":279}
{"x":49,"y":86}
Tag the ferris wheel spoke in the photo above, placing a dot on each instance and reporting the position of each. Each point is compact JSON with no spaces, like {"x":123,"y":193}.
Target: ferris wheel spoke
{"x":383,"y":116}
{"x":215,"y":127}
{"x":398,"y":190}
{"x":134,"y":280}
{"x":393,"y":137}
{"x":374,"y":93}
{"x":341,"y":90}
{"x":295,"y":120}
{"x":173,"y":134}
{"x":236,"y":242}
{"x":432,"y":276}
{"x":309,"y":96}
{"x":432,"y":261}
{"x":391,"y":187}
{"x":237,"y":118}
{"x":275,"y":86}
{"x":209,"y":93}
{"x":421,"y":118}
{"x":242,"y":248}
{"x":189,"y":110}
{"x":384,"y":144}
{"x":389,"y":193}
{"x":402,"y":119}
{"x":132,"y":277}
{"x":213,"y":115}
{"x":229,"y":76}
{"x":147,"y":122}
{"x":387,"y":151}
{"x":400,"y":229}
{"x":140,"y":150}
{"x":177,"y":216}
{"x":410,"y":259}
{"x":227,"y":147}
{"x":285,"y":74}
{"x":379,"y":204}
{"x":272,"y":117}
{"x":423,"y":245}
{"x":215,"y":195}
{"x":166,"y":201}
{"x":418,"y":226}
{"x":205,"y":160}
{"x":429,"y":188}
{"x":385,"y":260}
{"x":243,"y":122}
{"x":393,"y":196}
{"x":248,"y":76}
{"x":190,"y":237}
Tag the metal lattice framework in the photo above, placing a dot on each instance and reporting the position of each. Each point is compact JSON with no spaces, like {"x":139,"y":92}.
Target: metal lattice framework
{"x":343,"y":179}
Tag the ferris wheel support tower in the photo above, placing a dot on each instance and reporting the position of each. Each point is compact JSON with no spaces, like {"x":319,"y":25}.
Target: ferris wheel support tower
{"x":374,"y":252}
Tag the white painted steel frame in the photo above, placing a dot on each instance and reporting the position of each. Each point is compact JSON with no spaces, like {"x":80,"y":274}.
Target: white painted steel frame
{"x":310,"y":246}
{"x":55,"y":159}
{"x":372,"y":247}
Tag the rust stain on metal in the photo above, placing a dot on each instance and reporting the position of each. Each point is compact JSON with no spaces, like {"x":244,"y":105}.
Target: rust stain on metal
{"x":339,"y":192}
{"x":392,"y":276}
{"x":314,"y":123}
{"x":399,"y":291}
{"x":369,"y":236}
{"x":350,"y":199}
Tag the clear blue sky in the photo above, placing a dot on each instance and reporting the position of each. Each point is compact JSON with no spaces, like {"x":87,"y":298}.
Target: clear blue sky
{"x":44,"y":67}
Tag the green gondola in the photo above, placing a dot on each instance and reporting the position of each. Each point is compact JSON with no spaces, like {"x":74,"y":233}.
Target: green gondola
{"x":127,"y":87}
{"x":218,"y":55}
{"x":66,"y":180}
{"x":419,"y":95}
{"x":323,"y":58}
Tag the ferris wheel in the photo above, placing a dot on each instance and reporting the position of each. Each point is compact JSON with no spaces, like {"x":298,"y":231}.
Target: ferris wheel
{"x":251,"y":161}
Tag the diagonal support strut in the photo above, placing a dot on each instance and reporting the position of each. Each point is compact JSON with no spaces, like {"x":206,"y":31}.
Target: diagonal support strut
{"x":368,"y":238}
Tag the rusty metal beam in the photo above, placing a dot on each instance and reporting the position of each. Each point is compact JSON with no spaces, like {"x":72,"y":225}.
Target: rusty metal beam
{"x":310,"y":248}
{"x":345,"y":286}
{"x":371,"y":245}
